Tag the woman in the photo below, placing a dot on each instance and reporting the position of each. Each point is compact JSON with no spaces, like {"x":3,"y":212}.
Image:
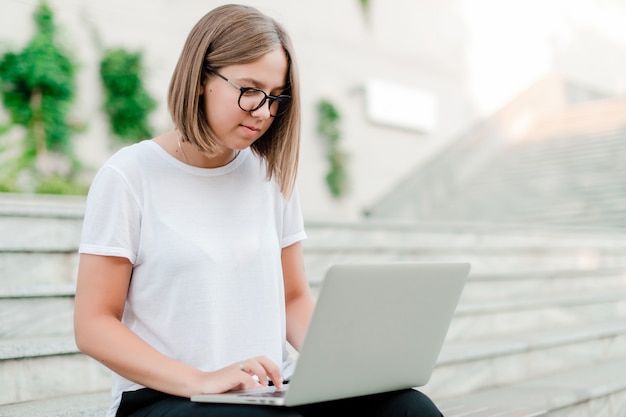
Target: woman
{"x":191,"y":276}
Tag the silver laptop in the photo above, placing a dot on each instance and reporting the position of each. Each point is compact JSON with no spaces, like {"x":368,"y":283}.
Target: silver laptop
{"x":376,"y":327}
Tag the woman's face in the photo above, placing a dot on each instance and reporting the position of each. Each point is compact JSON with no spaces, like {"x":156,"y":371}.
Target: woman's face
{"x":237,"y":129}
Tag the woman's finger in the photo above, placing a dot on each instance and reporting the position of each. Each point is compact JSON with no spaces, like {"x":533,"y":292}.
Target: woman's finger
{"x":264,"y":370}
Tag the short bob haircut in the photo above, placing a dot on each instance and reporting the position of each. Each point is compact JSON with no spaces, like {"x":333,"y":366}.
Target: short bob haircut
{"x":229,"y":35}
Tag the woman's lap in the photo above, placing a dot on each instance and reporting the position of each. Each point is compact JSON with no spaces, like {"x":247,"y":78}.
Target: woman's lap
{"x":150,"y":403}
{"x":398,"y":403}
{"x":182,"y":407}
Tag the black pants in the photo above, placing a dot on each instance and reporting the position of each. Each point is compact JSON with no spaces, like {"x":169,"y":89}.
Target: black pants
{"x":406,"y":403}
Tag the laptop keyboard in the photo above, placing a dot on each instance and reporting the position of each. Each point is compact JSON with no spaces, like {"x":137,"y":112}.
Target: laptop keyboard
{"x":269,"y":394}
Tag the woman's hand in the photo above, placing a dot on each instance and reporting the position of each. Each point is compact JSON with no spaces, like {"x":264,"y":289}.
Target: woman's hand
{"x":250,"y":373}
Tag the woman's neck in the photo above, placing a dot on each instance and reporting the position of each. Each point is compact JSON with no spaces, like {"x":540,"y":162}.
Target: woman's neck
{"x":191,"y":155}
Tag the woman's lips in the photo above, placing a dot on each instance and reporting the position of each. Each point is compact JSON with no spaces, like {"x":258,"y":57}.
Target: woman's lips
{"x":251,"y":130}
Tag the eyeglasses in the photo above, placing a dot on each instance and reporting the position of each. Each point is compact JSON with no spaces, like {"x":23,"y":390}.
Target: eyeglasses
{"x":251,"y":99}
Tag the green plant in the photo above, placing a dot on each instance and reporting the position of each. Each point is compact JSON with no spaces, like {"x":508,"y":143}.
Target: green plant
{"x":365,"y":6}
{"x":57,"y":184}
{"x":127,"y":103}
{"x":328,"y":128}
{"x":38,"y":89}
{"x":7,"y":185}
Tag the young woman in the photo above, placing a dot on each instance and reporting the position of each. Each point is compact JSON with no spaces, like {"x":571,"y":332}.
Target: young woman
{"x":191,"y":276}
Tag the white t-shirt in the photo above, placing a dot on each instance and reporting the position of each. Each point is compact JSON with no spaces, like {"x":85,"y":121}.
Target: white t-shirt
{"x":205,"y":244}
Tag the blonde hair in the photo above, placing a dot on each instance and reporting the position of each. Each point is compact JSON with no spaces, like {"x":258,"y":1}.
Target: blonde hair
{"x":229,"y":35}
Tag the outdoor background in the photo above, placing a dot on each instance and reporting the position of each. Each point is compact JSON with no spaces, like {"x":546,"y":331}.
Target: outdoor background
{"x":486,"y":131}
{"x":406,"y":77}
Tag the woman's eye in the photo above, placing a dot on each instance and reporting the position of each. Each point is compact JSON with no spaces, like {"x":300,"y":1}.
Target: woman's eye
{"x":251,"y":93}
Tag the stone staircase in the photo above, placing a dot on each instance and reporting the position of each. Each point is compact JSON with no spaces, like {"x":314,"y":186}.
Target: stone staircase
{"x":572,"y":180}
{"x":564,"y":181}
{"x":38,"y":262}
{"x":540,"y":329}
{"x":553,"y":156}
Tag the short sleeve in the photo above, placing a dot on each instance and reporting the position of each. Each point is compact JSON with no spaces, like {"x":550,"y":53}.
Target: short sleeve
{"x":293,"y":223}
{"x":112,"y":223}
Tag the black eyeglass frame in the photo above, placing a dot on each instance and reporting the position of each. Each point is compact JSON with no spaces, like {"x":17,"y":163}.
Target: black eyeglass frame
{"x":283,"y":99}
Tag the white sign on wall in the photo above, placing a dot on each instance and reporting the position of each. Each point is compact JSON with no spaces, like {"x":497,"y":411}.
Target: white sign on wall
{"x":400,"y":106}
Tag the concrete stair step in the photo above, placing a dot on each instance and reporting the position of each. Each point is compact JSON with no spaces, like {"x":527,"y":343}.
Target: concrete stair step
{"x":574,"y":177}
{"x":550,"y":168}
{"x":39,"y":245}
{"x":510,"y":316}
{"x":539,"y":301}
{"x":526,"y":197}
{"x":490,"y":303}
{"x":35,"y":268}
{"x":463,"y":410}
{"x":56,"y":222}
{"x":590,"y":391}
{"x":608,"y":220}
{"x":36,"y":311}
{"x":590,"y":150}
{"x":579,"y":205}
{"x":379,"y":233}
{"x":598,"y":389}
{"x":41,"y":205}
{"x":533,"y":180}
{"x":568,"y":193}
{"x":26,"y":233}
{"x":529,"y":284}
{"x":27,"y":268}
{"x":488,"y":249}
{"x":34,"y":369}
{"x":93,"y":404}
{"x":474,"y":365}
{"x":494,"y":260}
{"x":544,"y":192}
{"x":61,"y":235}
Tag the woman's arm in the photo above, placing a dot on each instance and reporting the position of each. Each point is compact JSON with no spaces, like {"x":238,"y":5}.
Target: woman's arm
{"x":100,"y":297}
{"x":299,"y":301}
